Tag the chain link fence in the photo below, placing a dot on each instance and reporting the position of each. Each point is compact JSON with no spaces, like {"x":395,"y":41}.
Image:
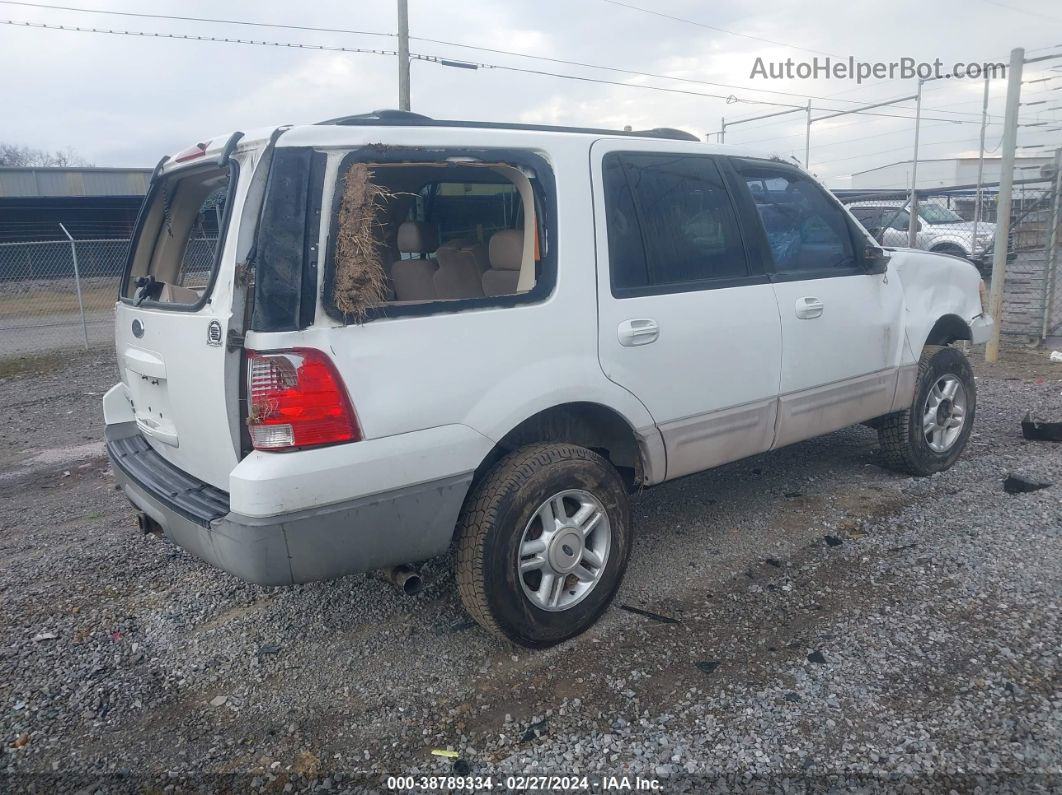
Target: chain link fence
{"x":60,"y":294}
{"x":57,"y":295}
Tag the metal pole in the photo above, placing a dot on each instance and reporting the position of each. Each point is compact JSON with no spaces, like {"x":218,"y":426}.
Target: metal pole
{"x":980,"y":166}
{"x":722,"y":129}
{"x":912,"y":227}
{"x":807,"y":141}
{"x":1006,"y":185}
{"x":403,"y":55}
{"x":1052,"y":250}
{"x":77,"y":284}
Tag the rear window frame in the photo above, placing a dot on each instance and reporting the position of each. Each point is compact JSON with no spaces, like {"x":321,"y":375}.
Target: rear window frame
{"x":544,"y":187}
{"x":156,"y":186}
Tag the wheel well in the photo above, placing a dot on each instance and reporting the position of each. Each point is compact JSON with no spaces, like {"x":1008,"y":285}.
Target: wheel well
{"x":589,"y":425}
{"x":948,"y":329}
{"x":950,"y":250}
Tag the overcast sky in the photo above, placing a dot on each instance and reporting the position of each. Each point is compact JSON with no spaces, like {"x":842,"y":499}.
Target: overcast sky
{"x":124,"y":101}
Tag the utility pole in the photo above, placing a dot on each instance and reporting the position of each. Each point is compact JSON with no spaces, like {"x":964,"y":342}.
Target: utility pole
{"x":980,"y":166}
{"x":807,"y":141}
{"x":1006,"y":186}
{"x":1052,"y":251}
{"x":912,"y":226}
{"x":403,"y":55}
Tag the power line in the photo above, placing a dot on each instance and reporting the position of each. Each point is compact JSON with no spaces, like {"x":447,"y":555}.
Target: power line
{"x":883,"y":115}
{"x":493,"y":50}
{"x":718,"y":30}
{"x":886,"y":151}
{"x":1023,"y":11}
{"x":145,"y":15}
{"x":729,"y":98}
{"x":366,"y":51}
{"x":837,"y":127}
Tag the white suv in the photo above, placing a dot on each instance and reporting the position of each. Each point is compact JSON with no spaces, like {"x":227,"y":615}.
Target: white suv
{"x":348,"y":346}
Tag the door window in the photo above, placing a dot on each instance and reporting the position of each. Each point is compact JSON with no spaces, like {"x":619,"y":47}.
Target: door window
{"x":806,"y":229}
{"x":671,"y":225}
{"x":898,"y":219}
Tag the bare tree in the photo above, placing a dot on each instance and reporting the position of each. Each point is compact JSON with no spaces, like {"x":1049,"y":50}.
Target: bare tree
{"x":15,"y":155}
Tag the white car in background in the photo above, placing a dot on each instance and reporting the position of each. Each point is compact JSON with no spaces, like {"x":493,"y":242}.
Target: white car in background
{"x":940,"y":229}
{"x":348,"y":346}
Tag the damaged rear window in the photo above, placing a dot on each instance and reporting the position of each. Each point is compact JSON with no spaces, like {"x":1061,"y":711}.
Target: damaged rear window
{"x":175,"y":254}
{"x":437,"y":235}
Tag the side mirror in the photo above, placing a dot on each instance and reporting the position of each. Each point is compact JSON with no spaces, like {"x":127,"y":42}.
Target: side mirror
{"x":875,"y":259}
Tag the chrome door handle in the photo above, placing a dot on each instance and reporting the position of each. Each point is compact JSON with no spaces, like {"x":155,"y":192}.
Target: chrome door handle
{"x":640,"y":331}
{"x":808,"y":308}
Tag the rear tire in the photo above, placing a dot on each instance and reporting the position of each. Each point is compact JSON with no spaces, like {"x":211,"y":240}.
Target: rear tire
{"x":554,"y":511}
{"x":931,"y":434}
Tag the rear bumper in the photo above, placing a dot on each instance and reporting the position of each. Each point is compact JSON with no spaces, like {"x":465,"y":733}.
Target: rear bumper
{"x":386,"y":529}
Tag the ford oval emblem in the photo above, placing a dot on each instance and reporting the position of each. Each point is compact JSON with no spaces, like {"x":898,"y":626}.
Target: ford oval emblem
{"x":138,"y":328}
{"x":214,"y":334}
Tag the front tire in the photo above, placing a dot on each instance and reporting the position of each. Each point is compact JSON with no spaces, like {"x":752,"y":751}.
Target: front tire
{"x":930,"y":436}
{"x":543,"y":544}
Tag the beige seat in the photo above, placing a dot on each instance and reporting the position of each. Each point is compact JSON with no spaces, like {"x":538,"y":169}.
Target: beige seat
{"x":506,"y":252}
{"x":460,"y":271}
{"x":175,"y":294}
{"x":413,"y":279}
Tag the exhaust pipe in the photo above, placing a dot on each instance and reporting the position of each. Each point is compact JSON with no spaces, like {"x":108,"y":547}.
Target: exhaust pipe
{"x":147,"y":524}
{"x":405,"y":578}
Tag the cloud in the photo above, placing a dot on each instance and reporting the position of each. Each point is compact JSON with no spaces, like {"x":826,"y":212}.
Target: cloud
{"x":123,"y":101}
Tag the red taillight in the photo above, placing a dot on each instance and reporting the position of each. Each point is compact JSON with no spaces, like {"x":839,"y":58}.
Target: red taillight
{"x":296,"y":400}
{"x":191,"y":153}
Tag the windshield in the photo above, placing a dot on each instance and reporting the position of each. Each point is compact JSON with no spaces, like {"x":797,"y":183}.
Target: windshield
{"x":935,"y":214}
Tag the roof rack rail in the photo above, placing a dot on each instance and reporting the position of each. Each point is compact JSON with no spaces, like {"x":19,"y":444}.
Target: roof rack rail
{"x":388,"y":115}
{"x":399,"y":118}
{"x":665,"y":132}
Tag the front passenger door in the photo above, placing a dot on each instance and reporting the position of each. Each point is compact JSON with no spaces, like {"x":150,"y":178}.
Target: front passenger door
{"x":842,"y":327}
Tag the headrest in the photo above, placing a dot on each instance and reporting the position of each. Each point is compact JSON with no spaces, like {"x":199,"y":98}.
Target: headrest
{"x":506,"y":250}
{"x":416,"y":237}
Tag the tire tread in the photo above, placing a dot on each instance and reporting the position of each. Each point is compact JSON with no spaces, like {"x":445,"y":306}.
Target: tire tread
{"x":479,"y":514}
{"x":894,"y":429}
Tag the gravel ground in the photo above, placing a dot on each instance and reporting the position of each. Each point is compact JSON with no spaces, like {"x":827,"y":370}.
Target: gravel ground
{"x":833,"y":626}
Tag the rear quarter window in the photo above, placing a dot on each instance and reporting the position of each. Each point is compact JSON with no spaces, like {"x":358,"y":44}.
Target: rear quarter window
{"x":430,"y":231}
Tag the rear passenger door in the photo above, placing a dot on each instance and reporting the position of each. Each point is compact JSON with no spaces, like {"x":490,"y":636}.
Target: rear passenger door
{"x":842,"y":322}
{"x":687,"y":323}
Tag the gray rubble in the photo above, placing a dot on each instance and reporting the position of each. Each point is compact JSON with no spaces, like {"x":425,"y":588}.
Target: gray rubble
{"x":921,"y":651}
